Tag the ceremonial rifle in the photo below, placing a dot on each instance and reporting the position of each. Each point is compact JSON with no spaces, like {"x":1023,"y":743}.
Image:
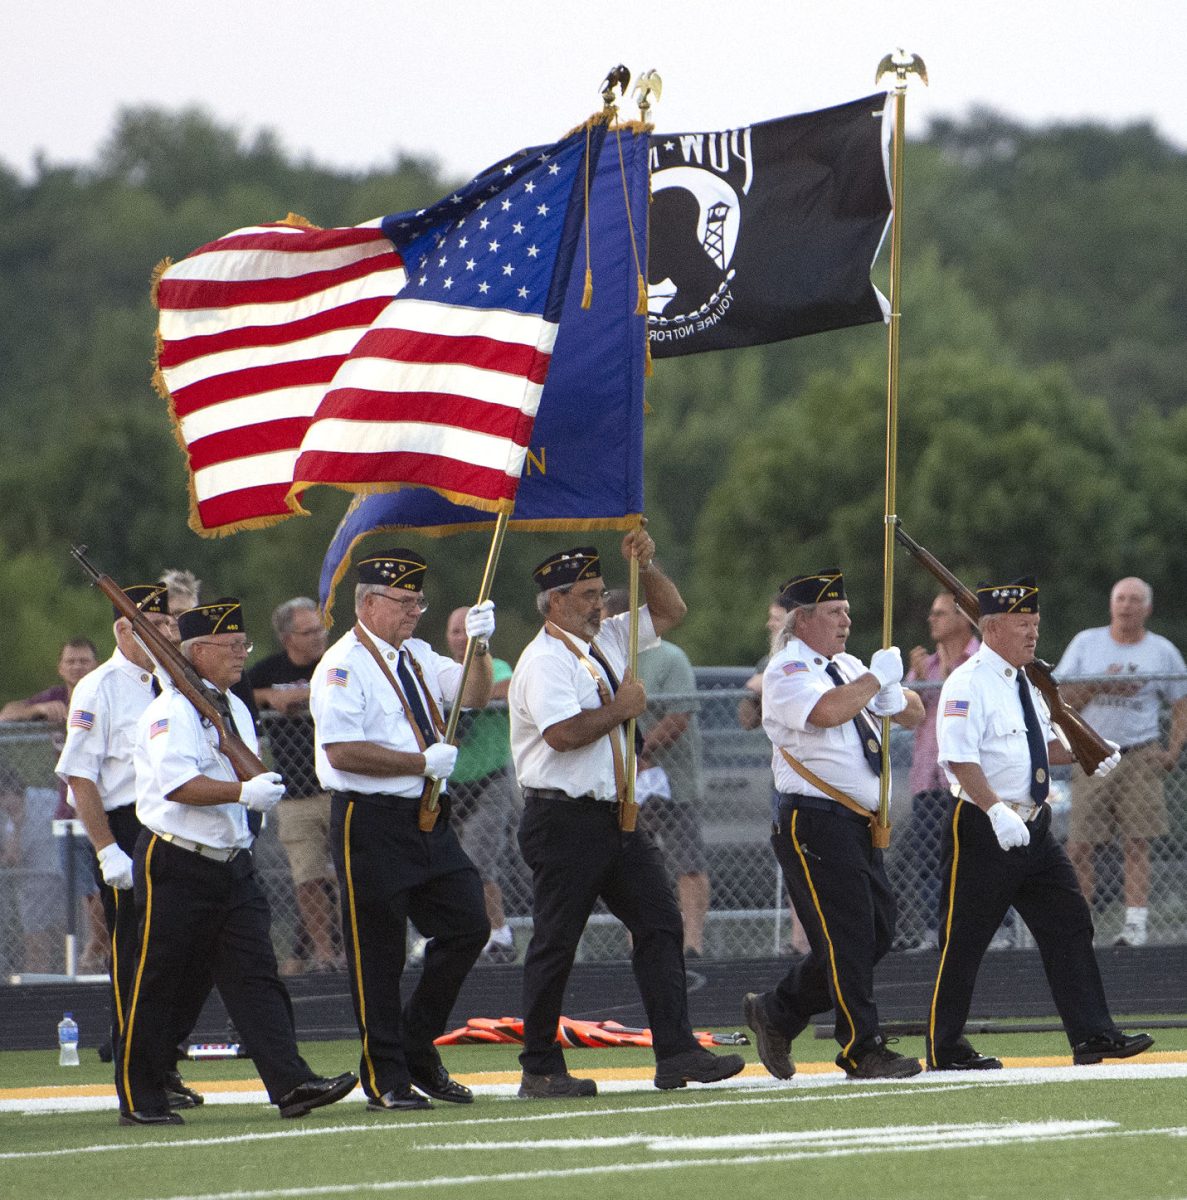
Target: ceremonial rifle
{"x":211,"y":704}
{"x":1082,"y":740}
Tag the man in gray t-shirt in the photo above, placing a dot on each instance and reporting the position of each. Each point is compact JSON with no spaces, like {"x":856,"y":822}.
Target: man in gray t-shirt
{"x":1129,"y":803}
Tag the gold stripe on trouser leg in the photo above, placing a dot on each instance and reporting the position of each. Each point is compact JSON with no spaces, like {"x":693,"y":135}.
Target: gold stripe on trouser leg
{"x":115,"y":967}
{"x":832,"y":957}
{"x":128,"y":1027}
{"x":931,"y":1020}
{"x":354,"y":939}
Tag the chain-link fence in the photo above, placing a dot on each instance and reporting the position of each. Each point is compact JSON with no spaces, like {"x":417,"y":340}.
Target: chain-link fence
{"x":727,"y":799}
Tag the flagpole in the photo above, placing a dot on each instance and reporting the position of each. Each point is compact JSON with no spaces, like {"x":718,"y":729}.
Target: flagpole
{"x":901,"y":65}
{"x":433,"y":803}
{"x":648,"y":84}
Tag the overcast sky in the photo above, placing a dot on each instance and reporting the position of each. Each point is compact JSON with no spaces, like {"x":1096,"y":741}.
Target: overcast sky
{"x":353,"y":82}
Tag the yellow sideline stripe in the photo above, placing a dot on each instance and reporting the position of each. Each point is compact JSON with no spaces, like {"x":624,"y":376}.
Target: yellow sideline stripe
{"x":604,"y":1074}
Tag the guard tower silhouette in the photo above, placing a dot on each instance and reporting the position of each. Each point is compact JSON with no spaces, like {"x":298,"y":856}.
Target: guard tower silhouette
{"x":714,"y":226}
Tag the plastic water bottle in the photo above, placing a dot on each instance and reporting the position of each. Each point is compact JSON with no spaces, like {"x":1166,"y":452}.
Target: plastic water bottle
{"x":67,"y":1041}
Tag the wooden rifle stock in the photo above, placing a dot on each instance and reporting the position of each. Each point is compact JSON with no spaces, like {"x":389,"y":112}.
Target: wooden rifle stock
{"x":1085,"y":743}
{"x":210,"y":704}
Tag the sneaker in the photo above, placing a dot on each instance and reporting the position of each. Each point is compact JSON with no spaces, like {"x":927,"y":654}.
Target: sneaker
{"x":1132,"y":935}
{"x":499,"y":952}
{"x":879,"y":1062}
{"x":774,"y":1046}
{"x":561,"y":1086}
{"x":1113,"y":1044}
{"x":696,"y":1066}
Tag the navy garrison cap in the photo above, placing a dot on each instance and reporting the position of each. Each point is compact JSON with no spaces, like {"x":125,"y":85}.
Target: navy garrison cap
{"x":397,"y":568}
{"x":816,"y":588}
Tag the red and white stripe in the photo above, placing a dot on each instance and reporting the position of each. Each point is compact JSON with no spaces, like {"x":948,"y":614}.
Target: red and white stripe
{"x":253,"y":329}
{"x":436,"y":395}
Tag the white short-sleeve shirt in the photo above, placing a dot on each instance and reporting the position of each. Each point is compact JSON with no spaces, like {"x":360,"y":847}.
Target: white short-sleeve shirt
{"x":173,"y":746}
{"x":352,"y":701}
{"x":794,"y":681}
{"x":105,"y":710}
{"x":979,"y":720}
{"x":549,"y":685}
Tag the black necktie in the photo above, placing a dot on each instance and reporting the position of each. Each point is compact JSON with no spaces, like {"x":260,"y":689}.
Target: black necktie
{"x":1039,"y":773}
{"x":867,"y":731}
{"x":597,"y":654}
{"x":412,"y":692}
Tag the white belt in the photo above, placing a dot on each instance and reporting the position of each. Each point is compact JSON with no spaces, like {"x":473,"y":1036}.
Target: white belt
{"x":212,"y":852}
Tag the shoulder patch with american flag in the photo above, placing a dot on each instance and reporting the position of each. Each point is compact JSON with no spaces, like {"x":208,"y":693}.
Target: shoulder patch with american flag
{"x":337,"y":676}
{"x":792,"y":668}
{"x":157,"y":727}
{"x":81,"y":719}
{"x":956,"y":708}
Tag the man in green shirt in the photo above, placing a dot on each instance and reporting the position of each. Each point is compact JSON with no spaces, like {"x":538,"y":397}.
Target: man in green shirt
{"x":672,"y":743}
{"x":482,"y":792}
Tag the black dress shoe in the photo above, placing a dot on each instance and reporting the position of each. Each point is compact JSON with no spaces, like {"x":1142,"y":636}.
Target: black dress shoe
{"x":1113,"y":1044}
{"x":561,"y":1086}
{"x":316,"y":1092}
{"x":401,"y":1100}
{"x":434,"y":1081}
{"x":696,"y":1066}
{"x":149,"y":1116}
{"x":969,"y":1061}
{"x":178,"y":1094}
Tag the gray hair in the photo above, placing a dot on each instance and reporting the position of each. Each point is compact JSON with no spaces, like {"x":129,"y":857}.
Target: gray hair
{"x":284,"y":615}
{"x":781,"y":637}
{"x":544,"y":599}
{"x":184,"y":588}
{"x":363,"y":590}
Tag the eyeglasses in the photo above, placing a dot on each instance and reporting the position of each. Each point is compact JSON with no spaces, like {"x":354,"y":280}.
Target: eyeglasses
{"x":587,"y":597}
{"x":233,"y":647}
{"x":317,"y":631}
{"x":407,"y":603}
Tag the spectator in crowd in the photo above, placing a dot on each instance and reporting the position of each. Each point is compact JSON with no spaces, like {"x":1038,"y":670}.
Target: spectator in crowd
{"x":954,"y":641}
{"x":672,"y":743}
{"x":483,"y":793}
{"x":1130,"y":803}
{"x":750,"y":707}
{"x":280,"y":684}
{"x":43,"y":805}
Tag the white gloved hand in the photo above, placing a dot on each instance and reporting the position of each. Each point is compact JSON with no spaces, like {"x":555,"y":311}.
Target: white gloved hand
{"x":1110,"y":762}
{"x":887,"y":665}
{"x":116,"y":867}
{"x":440,"y":758}
{"x":889,"y":701}
{"x":1008,"y":827}
{"x":480,"y":621}
{"x":262,"y":793}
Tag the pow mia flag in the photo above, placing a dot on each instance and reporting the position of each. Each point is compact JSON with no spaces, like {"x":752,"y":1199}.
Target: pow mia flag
{"x":769,"y":231}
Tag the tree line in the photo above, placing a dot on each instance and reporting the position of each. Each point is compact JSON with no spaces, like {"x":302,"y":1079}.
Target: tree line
{"x":1042,"y":420}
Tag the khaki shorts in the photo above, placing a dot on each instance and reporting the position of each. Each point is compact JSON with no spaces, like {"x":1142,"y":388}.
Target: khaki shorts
{"x":1128,"y":802}
{"x":304,"y":827}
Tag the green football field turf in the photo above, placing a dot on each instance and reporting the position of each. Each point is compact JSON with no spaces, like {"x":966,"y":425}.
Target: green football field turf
{"x":1118,"y":1132}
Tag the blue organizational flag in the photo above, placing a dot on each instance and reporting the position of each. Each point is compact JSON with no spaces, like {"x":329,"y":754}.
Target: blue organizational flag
{"x":584,"y":467}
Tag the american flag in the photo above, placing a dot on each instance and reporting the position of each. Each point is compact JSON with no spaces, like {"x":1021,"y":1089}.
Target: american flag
{"x":956,"y":708}
{"x":158,"y":727}
{"x":81,"y":719}
{"x":288,"y":362}
{"x":252,"y":329}
{"x":337,"y":676}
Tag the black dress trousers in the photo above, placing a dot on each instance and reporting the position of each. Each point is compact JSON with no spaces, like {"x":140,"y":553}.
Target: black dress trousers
{"x":838,"y":885}
{"x":388,"y":872}
{"x":197,"y":918}
{"x":577,"y":854}
{"x":980,"y":881}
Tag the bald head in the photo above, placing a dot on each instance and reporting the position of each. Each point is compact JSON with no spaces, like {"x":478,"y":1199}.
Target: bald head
{"x":455,"y":633}
{"x":1130,"y":604}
